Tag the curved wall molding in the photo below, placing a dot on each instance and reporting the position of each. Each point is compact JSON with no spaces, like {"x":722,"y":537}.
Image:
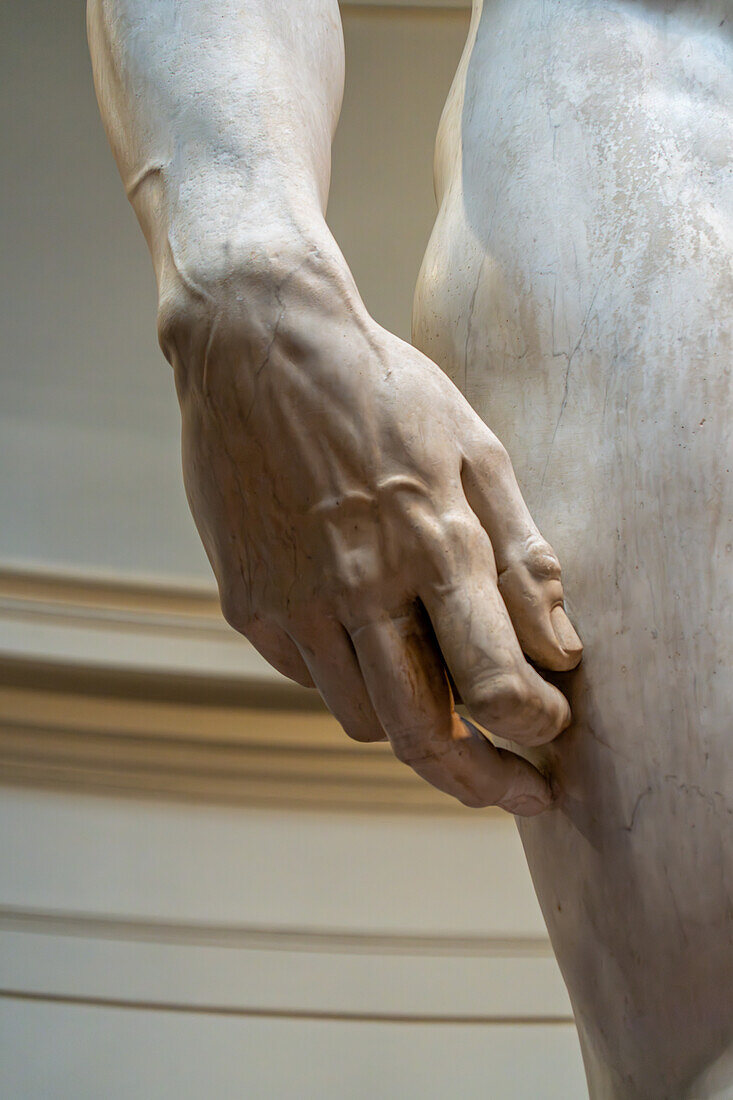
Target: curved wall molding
{"x":142,"y":687}
{"x":442,"y":978}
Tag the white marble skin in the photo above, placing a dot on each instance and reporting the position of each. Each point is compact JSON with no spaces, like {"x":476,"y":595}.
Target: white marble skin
{"x":364,"y":524}
{"x":578,"y":288}
{"x":353,"y":506}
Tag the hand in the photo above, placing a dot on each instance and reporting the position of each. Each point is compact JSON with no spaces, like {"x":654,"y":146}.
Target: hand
{"x":367,"y":531}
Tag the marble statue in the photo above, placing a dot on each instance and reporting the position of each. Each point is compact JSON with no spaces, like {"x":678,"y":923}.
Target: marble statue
{"x":365,"y":526}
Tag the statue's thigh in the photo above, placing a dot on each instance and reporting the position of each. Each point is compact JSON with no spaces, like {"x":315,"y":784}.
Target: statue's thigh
{"x":634,"y":870}
{"x":581,"y":300}
{"x":613,"y":399}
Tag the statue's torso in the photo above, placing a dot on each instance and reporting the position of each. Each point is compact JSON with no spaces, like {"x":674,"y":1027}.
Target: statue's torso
{"x":578,"y":288}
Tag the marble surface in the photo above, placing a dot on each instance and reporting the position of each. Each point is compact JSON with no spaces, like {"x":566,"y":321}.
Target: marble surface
{"x":578,"y":289}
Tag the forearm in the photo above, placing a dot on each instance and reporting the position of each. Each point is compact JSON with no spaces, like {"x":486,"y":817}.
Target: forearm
{"x":220,"y":115}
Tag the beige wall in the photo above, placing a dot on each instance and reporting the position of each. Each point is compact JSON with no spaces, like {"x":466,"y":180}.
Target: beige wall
{"x":205,"y":889}
{"x":173,"y":952}
{"x":399,"y":66}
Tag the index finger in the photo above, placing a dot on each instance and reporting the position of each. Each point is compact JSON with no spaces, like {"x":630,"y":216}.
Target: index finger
{"x":407,"y":683}
{"x":529,"y":572}
{"x":475,"y":634}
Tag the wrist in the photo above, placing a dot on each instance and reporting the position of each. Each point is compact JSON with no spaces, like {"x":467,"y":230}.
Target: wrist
{"x":228,"y":301}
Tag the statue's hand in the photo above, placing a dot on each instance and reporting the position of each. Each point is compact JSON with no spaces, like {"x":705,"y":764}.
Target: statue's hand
{"x":366,"y":529}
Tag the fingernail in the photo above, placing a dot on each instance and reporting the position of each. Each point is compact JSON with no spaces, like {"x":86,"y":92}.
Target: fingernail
{"x":567,"y":639}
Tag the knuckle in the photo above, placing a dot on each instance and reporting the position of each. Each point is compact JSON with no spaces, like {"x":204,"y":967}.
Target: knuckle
{"x":473,"y":801}
{"x":235,"y":611}
{"x":542,"y":561}
{"x":451,"y":551}
{"x":363,"y":734}
{"x":460,"y":528}
{"x":355,"y":577}
{"x":429,"y":530}
{"x":409,"y":747}
{"x":532,"y":575}
{"x":492,"y":458}
{"x":497,"y":454}
{"x":501,"y":695}
{"x":359,"y":722}
{"x":300,"y":677}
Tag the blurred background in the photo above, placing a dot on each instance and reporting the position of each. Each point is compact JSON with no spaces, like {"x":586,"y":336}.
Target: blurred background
{"x":205,"y":888}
